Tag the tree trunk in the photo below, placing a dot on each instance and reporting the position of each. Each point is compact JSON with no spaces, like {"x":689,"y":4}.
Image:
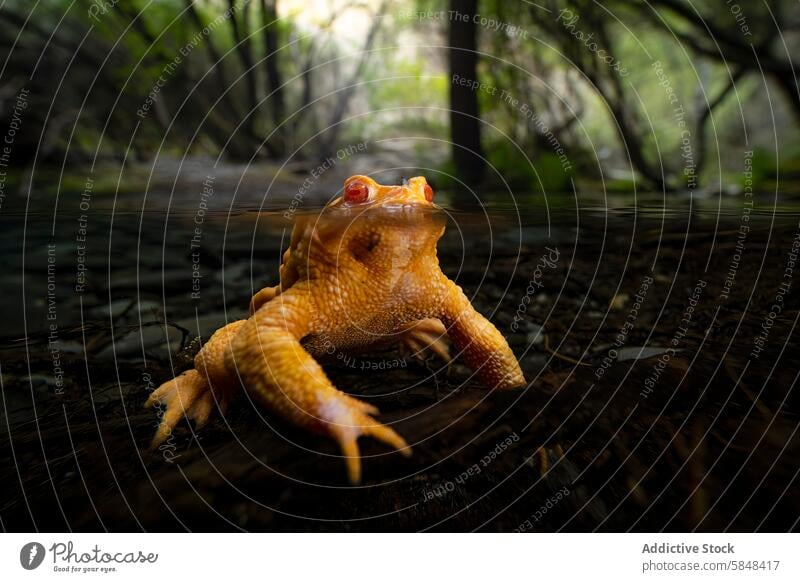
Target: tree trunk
{"x":216,"y":63}
{"x":274,"y":81}
{"x":465,"y":123}
{"x":241,"y":36}
{"x":788,"y":85}
{"x":705,"y":115}
{"x":329,"y":138}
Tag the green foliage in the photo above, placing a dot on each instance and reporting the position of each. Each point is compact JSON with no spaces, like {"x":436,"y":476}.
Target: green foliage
{"x":405,"y":91}
{"x":552,"y":177}
{"x":764,"y":170}
{"x":507,"y":164}
{"x":409,"y":80}
{"x":542,"y":172}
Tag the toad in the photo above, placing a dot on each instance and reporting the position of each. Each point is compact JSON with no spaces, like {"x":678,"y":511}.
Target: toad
{"x":361,"y":275}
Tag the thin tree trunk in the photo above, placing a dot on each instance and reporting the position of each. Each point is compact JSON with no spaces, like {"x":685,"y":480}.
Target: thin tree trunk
{"x":788,"y":85}
{"x":216,"y":62}
{"x":273,"y":73}
{"x":241,"y":35}
{"x":465,"y":124}
{"x":705,"y":115}
{"x":330,"y":137}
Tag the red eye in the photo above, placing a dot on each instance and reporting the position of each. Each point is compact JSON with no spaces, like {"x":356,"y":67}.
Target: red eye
{"x":428,"y":193}
{"x":356,"y":192}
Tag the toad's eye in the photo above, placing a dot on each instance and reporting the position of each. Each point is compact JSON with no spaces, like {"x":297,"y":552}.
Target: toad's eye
{"x":356,"y":192}
{"x":428,"y":193}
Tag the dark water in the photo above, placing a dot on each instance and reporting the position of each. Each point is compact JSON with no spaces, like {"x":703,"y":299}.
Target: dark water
{"x":659,"y":345}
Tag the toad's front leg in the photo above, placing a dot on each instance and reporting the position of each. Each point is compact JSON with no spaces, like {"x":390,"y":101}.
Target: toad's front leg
{"x":281,"y":374}
{"x":197,"y":392}
{"x":482,"y":346}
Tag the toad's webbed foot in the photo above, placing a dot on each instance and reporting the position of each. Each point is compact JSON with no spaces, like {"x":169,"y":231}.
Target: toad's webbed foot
{"x":187,"y":395}
{"x":346,"y":419}
{"x":426,"y":335}
{"x":197,"y":392}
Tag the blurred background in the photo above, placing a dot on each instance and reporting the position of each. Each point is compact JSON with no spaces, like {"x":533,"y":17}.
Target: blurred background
{"x":536,"y":96}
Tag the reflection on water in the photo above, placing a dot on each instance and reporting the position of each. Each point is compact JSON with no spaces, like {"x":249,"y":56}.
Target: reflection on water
{"x":660,"y":346}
